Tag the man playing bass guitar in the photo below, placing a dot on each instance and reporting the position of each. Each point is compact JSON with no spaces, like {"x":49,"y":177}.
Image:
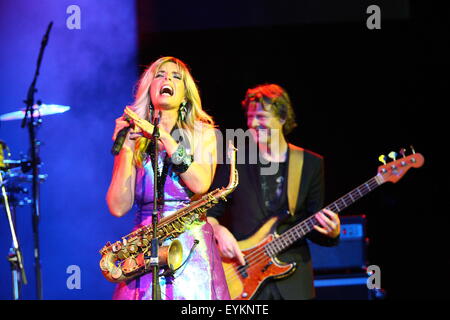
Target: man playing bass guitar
{"x":284,"y":186}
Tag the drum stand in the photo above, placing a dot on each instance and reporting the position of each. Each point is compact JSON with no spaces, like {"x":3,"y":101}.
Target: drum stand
{"x":15,"y":256}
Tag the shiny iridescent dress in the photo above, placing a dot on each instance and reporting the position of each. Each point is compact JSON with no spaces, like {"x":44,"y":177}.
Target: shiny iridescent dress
{"x":202,"y":276}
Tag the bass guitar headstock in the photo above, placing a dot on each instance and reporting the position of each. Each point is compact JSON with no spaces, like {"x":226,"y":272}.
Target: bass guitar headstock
{"x":396,"y":169}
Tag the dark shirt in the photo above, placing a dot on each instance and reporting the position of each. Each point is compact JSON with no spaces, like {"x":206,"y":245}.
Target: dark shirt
{"x":274,"y":190}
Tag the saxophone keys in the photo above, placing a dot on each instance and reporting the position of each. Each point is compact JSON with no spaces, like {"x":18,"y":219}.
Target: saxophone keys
{"x":132,"y":248}
{"x":144,"y":242}
{"x":123,"y":254}
{"x":129,"y":265}
{"x":116,"y":247}
{"x":116,"y":273}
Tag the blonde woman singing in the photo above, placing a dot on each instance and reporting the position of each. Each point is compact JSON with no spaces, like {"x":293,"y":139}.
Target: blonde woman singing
{"x":167,"y":90}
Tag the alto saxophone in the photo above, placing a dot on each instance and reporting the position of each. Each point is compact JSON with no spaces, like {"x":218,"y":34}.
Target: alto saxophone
{"x":128,"y":258}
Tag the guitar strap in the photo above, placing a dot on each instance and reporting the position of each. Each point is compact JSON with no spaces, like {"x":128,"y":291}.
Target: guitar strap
{"x":295,"y":168}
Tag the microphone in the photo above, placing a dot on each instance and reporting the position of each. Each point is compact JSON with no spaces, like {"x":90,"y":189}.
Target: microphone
{"x":120,"y":139}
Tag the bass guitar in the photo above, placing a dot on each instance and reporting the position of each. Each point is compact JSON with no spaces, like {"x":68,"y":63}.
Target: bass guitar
{"x":261,"y":249}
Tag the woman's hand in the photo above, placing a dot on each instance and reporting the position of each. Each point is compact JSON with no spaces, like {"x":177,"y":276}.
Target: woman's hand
{"x":146,"y":129}
{"x":120,"y":195}
{"x":120,"y":124}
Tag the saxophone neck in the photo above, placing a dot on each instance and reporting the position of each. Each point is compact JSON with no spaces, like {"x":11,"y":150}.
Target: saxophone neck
{"x":234,"y":177}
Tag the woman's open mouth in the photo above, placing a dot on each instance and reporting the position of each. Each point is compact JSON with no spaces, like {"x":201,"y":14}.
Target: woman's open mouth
{"x":166,"y":90}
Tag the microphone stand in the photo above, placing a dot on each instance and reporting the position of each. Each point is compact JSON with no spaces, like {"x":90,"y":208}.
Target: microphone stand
{"x":154,"y":259}
{"x":15,"y":256}
{"x":35,"y":161}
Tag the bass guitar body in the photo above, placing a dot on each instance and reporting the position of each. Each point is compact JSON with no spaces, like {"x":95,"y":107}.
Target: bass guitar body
{"x":244,"y":281}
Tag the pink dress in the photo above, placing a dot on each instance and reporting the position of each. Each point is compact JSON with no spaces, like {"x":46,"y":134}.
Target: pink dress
{"x":202,"y":276}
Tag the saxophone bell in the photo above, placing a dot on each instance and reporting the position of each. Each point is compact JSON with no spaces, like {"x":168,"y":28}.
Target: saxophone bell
{"x":171,"y":255}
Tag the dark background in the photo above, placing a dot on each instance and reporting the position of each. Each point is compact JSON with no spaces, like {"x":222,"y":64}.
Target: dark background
{"x":357,"y":93}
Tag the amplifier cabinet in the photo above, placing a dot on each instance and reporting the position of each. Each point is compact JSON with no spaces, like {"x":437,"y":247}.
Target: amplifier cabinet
{"x":350,"y":253}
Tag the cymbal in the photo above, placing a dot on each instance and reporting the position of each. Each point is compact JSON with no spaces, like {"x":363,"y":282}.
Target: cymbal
{"x":38,"y":110}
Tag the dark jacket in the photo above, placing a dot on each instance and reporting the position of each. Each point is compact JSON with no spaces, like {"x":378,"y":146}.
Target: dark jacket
{"x":244,"y":213}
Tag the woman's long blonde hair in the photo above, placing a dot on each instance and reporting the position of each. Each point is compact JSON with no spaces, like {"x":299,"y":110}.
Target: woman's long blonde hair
{"x":142,"y":102}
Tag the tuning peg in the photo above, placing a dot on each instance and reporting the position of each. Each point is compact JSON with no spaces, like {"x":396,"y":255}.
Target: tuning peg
{"x":412,"y":148}
{"x":393,"y":155}
{"x":403,"y":152}
{"x":382,"y":159}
